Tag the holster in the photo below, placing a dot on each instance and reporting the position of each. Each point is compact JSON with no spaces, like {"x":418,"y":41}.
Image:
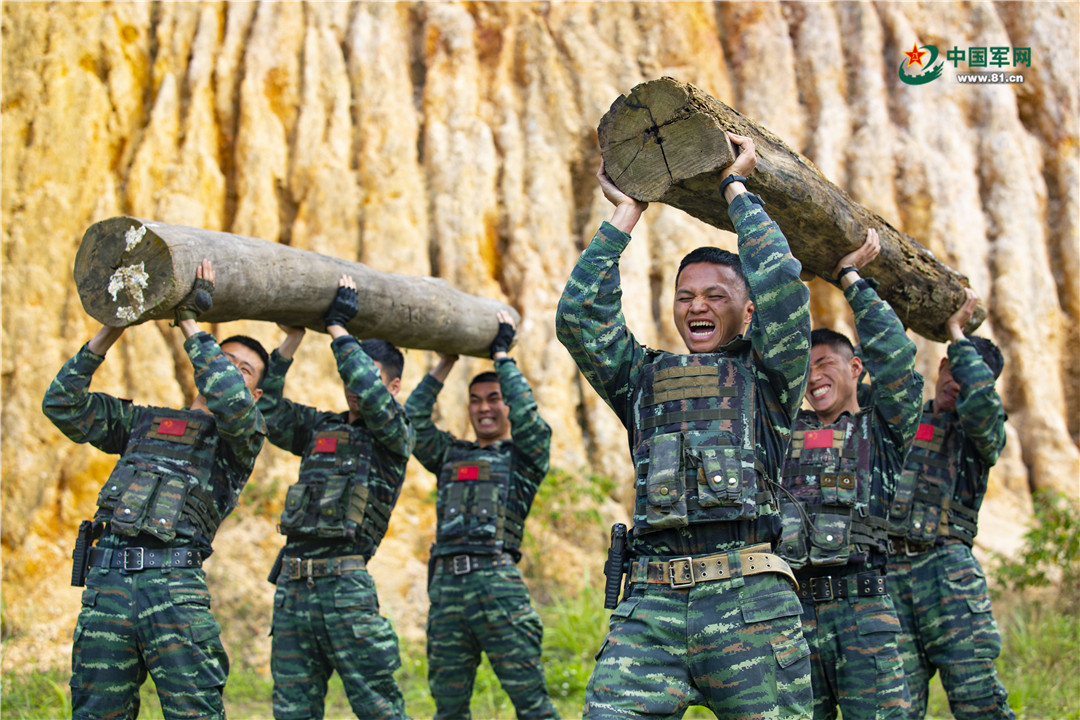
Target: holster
{"x":276,"y":569}
{"x":618,"y":562}
{"x":80,"y":556}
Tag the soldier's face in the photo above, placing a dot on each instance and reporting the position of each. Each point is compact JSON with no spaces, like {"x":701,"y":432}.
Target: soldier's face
{"x":946,"y":390}
{"x":248,"y":362}
{"x":712,"y":306}
{"x":488,"y":414}
{"x":833,"y":377}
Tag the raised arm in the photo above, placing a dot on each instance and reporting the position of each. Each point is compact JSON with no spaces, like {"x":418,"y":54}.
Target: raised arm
{"x":589,"y":321}
{"x":85,"y":417}
{"x":978,"y":405}
{"x":888,"y":354}
{"x":288,"y":423}
{"x":530,"y":433}
{"x":780,"y":330}
{"x":431,"y":442}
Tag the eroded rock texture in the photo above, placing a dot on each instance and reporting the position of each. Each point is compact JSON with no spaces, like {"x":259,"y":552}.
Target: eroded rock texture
{"x":458,"y":139}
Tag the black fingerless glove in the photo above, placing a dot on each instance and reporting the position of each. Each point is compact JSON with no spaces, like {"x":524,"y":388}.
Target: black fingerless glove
{"x":344,"y":308}
{"x":504,"y":338}
{"x":196,"y":302}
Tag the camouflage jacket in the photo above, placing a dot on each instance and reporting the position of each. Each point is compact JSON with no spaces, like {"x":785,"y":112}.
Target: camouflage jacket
{"x":590,"y":324}
{"x":293,"y":427}
{"x":106,"y":422}
{"x":891,"y":417}
{"x":527,"y":451}
{"x":974,"y":436}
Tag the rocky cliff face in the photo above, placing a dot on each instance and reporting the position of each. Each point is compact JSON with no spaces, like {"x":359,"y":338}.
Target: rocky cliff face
{"x":458,"y":140}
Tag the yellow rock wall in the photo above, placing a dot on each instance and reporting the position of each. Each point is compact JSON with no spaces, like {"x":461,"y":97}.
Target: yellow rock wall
{"x":458,"y":139}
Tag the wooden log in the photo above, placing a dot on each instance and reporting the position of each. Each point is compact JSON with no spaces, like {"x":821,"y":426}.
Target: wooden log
{"x":129,"y":270}
{"x":665,"y":142}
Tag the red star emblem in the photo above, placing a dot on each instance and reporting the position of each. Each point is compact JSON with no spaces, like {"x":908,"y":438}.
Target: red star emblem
{"x":915,"y":55}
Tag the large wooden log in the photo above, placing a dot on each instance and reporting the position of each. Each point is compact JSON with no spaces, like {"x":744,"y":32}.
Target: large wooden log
{"x":665,"y":142}
{"x":129,"y":270}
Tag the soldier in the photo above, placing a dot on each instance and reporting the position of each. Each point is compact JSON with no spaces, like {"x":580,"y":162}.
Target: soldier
{"x":839,"y":478}
{"x":146,"y":606}
{"x":711,"y":618}
{"x":937,"y":585}
{"x":326,"y":612}
{"x":479,"y":602}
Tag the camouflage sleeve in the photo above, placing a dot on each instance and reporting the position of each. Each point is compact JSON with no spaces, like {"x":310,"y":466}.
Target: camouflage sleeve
{"x":240,"y":424}
{"x":289,"y":425}
{"x":431,"y":442}
{"x":978,"y":405}
{"x":382,"y":415}
{"x":590,"y":323}
{"x":530,"y":433}
{"x":83,"y":416}
{"x":780,"y":330}
{"x":888,"y":355}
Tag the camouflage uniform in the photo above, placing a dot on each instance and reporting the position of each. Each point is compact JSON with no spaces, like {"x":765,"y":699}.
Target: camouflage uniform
{"x":326,"y":612}
{"x":936,"y":583}
{"x":479,"y":602}
{"x":840,"y":480}
{"x":706,"y":435}
{"x":179,"y":475}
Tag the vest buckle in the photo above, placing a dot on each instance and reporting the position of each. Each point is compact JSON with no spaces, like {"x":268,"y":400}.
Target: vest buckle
{"x":128,"y":552}
{"x":687,"y":579}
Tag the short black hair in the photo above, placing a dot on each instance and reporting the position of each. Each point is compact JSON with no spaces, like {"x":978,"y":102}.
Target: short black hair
{"x":837,"y":341}
{"x":487,"y":376}
{"x":386,"y":354}
{"x":989,"y":353}
{"x":252,"y":344}
{"x":714,"y":256}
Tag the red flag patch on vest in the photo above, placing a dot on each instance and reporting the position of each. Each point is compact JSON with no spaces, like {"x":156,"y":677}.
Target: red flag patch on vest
{"x":172,"y":427}
{"x":325,"y":444}
{"x":925,"y":432}
{"x":469,"y":472}
{"x":818,"y":439}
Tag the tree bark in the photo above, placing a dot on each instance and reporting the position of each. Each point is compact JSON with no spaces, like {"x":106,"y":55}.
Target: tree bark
{"x":665,"y":142}
{"x":129,"y":270}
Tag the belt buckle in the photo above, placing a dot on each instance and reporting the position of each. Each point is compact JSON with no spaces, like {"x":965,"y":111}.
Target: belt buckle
{"x":462,"y":564}
{"x":689,"y":571}
{"x":127,"y":556}
{"x":816,"y":582}
{"x":293,"y":568}
{"x":913,"y":551}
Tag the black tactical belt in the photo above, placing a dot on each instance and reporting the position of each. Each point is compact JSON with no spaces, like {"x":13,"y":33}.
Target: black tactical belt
{"x":899,"y":547}
{"x":307,"y":568}
{"x":689,"y":571}
{"x":134,"y":559}
{"x":465,"y":564}
{"x":834,"y":587}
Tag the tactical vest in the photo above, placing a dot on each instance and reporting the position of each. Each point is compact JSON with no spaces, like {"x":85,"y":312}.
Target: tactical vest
{"x":827,"y":514}
{"x":929,"y":503}
{"x":472,"y":508}
{"x":162,"y":483}
{"x":694,"y":444}
{"x":332,"y":497}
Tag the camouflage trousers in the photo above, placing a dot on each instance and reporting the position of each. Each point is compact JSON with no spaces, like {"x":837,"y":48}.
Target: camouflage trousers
{"x":854,"y":660}
{"x":154,"y":620}
{"x":946,"y":624}
{"x":486,"y":610}
{"x":333,"y":624}
{"x":734,"y":646}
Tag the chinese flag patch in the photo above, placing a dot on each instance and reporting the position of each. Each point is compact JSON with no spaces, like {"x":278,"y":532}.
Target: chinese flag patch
{"x":818,"y":439}
{"x":326,"y":445}
{"x":470,"y":472}
{"x":925,"y":432}
{"x":172,"y":427}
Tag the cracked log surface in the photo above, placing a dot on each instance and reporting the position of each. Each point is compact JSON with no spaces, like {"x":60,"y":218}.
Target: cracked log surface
{"x":665,"y":142}
{"x":129,"y":270}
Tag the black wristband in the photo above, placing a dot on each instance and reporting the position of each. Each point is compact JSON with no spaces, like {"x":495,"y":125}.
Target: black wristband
{"x":730,"y":179}
{"x":845,"y":269}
